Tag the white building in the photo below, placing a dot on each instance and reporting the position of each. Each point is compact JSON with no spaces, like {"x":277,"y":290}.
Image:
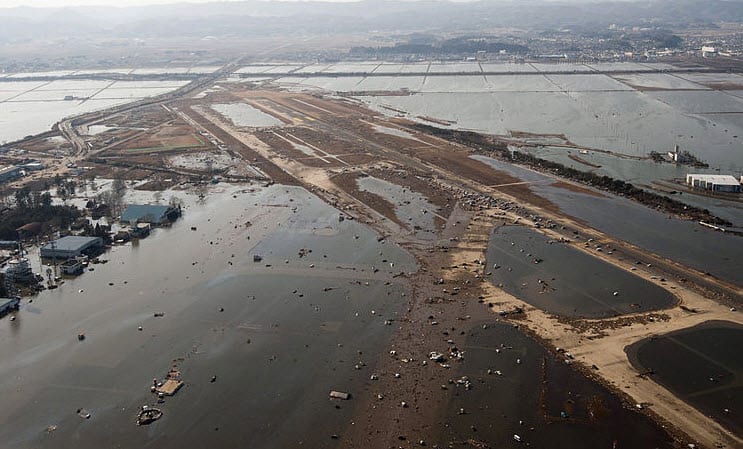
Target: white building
{"x":714,"y":183}
{"x":708,"y":51}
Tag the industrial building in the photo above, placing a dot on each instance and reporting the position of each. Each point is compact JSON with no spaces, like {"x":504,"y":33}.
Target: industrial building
{"x":149,"y":213}
{"x":714,"y":183}
{"x":9,"y":173}
{"x":71,"y":246}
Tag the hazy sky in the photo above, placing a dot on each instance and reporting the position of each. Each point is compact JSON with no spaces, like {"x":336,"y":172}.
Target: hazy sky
{"x":62,"y":3}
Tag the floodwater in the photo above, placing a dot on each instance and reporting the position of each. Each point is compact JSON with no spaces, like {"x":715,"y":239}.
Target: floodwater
{"x":278,"y":334}
{"x":395,"y":132}
{"x":537,"y":397}
{"x":607,"y":111}
{"x":242,"y":114}
{"x":584,"y":287}
{"x":644,"y":173}
{"x":32,"y":107}
{"x":702,"y":365}
{"x":597,"y":110}
{"x":683,"y":241}
{"x":627,"y":122}
{"x":410,"y":207}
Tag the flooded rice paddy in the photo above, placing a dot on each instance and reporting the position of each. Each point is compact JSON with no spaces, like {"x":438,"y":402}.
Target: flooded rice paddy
{"x":702,"y":365}
{"x":32,"y":107}
{"x":627,"y":122}
{"x":609,"y":110}
{"x":565,"y":281}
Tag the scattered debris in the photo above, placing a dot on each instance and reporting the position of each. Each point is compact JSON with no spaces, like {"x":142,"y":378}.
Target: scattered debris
{"x":339,"y":395}
{"x":169,"y":387}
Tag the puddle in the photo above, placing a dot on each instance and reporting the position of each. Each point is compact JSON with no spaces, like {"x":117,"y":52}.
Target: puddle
{"x":410,"y":207}
{"x":241,"y":114}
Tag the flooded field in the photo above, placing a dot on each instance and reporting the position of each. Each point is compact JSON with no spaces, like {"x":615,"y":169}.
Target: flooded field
{"x":32,"y":107}
{"x":646,"y":174}
{"x":522,"y":395}
{"x":242,"y":114}
{"x":534,"y":268}
{"x":703,"y":249}
{"x":702,"y":365}
{"x":259,"y":345}
{"x":612,"y":111}
{"x":620,"y":121}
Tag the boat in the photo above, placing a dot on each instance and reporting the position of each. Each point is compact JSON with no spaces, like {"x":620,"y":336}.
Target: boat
{"x":148,"y":415}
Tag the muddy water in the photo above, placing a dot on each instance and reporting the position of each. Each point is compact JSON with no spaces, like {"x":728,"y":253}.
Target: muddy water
{"x":276,"y":337}
{"x":563,"y":280}
{"x":702,"y":365}
{"x":542,"y":400}
{"x":242,"y":114}
{"x":410,"y":207}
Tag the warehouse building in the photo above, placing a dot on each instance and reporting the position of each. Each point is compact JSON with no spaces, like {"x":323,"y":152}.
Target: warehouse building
{"x":714,"y":183}
{"x":71,"y":246}
{"x":154,"y":214}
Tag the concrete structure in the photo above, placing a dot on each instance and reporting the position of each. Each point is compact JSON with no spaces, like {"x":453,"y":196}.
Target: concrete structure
{"x":9,"y":173}
{"x":72,"y":267}
{"x":149,"y":213}
{"x":70,"y":246}
{"x":714,"y":183}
